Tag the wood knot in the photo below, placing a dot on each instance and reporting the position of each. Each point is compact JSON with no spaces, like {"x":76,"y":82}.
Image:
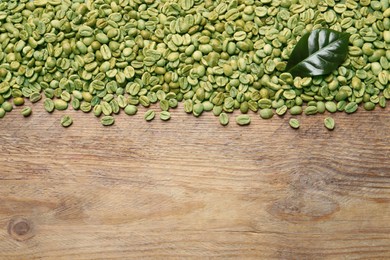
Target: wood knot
{"x":20,"y":229}
{"x":303,"y":207}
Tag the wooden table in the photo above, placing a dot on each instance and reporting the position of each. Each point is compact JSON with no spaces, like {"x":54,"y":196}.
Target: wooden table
{"x":190,"y":188}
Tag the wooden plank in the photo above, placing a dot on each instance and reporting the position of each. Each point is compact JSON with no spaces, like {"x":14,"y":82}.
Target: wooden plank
{"x":190,"y":188}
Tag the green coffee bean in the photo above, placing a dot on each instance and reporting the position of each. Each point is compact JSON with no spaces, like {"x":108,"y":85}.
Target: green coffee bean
{"x":122,"y":101}
{"x":18,"y":101}
{"x":244,"y":107}
{"x":165,"y":115}
{"x":296,"y":110}
{"x":329,"y":123}
{"x":266,"y":113}
{"x":2,"y":112}
{"x":115,"y":106}
{"x":289,"y":94}
{"x":386,"y":93}
{"x":386,"y":36}
{"x":351,"y":107}
{"x":281,"y":110}
{"x":217,"y":110}
{"x":188,"y":106}
{"x":265,"y":103}
{"x":87,"y":96}
{"x":321,"y":107}
{"x":106,"y":108}
{"x":223,"y":119}
{"x":97,"y":110}
{"x":49,"y":105}
{"x":173,"y":103}
{"x":102,"y":38}
{"x":294,"y":123}
{"x":369,"y":106}
{"x":4,"y":87}
{"x":60,"y":104}
{"x":243,"y":120}
{"x":85,"y":106}
{"x":197,"y":109}
{"x":149,"y":115}
{"x":7,"y":106}
{"x":65,"y":96}
{"x":239,"y":36}
{"x":75,"y":104}
{"x":107,"y":120}
{"x":107,"y":98}
{"x":26,"y":111}
{"x":227,"y":70}
{"x":207,"y":105}
{"x":341,"y":105}
{"x":164,"y":105}
{"x":382,"y":102}
{"x":253,"y":106}
{"x":144,"y":101}
{"x":66,"y":121}
{"x":286,"y":77}
{"x":35,"y":97}
{"x":218,"y":99}
{"x":229,"y":103}
{"x":95,"y":101}
{"x":311,"y":110}
{"x":77,"y":94}
{"x":131,"y":110}
{"x":331,"y":106}
{"x":106,"y":52}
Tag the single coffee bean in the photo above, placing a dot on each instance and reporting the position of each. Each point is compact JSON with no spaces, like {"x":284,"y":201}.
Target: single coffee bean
{"x":66,"y":121}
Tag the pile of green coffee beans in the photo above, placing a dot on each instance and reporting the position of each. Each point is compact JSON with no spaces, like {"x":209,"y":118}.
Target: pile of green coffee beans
{"x":107,"y":56}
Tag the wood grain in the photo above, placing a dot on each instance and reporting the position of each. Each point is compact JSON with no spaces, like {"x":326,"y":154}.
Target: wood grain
{"x":190,"y":188}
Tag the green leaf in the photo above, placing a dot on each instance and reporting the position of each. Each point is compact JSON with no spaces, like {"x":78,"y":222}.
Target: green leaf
{"x":318,"y":53}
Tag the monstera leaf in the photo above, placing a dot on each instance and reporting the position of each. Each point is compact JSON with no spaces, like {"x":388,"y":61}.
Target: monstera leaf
{"x":318,"y":53}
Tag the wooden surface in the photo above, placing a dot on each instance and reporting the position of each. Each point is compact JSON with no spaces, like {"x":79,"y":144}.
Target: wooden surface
{"x":192,"y":189}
